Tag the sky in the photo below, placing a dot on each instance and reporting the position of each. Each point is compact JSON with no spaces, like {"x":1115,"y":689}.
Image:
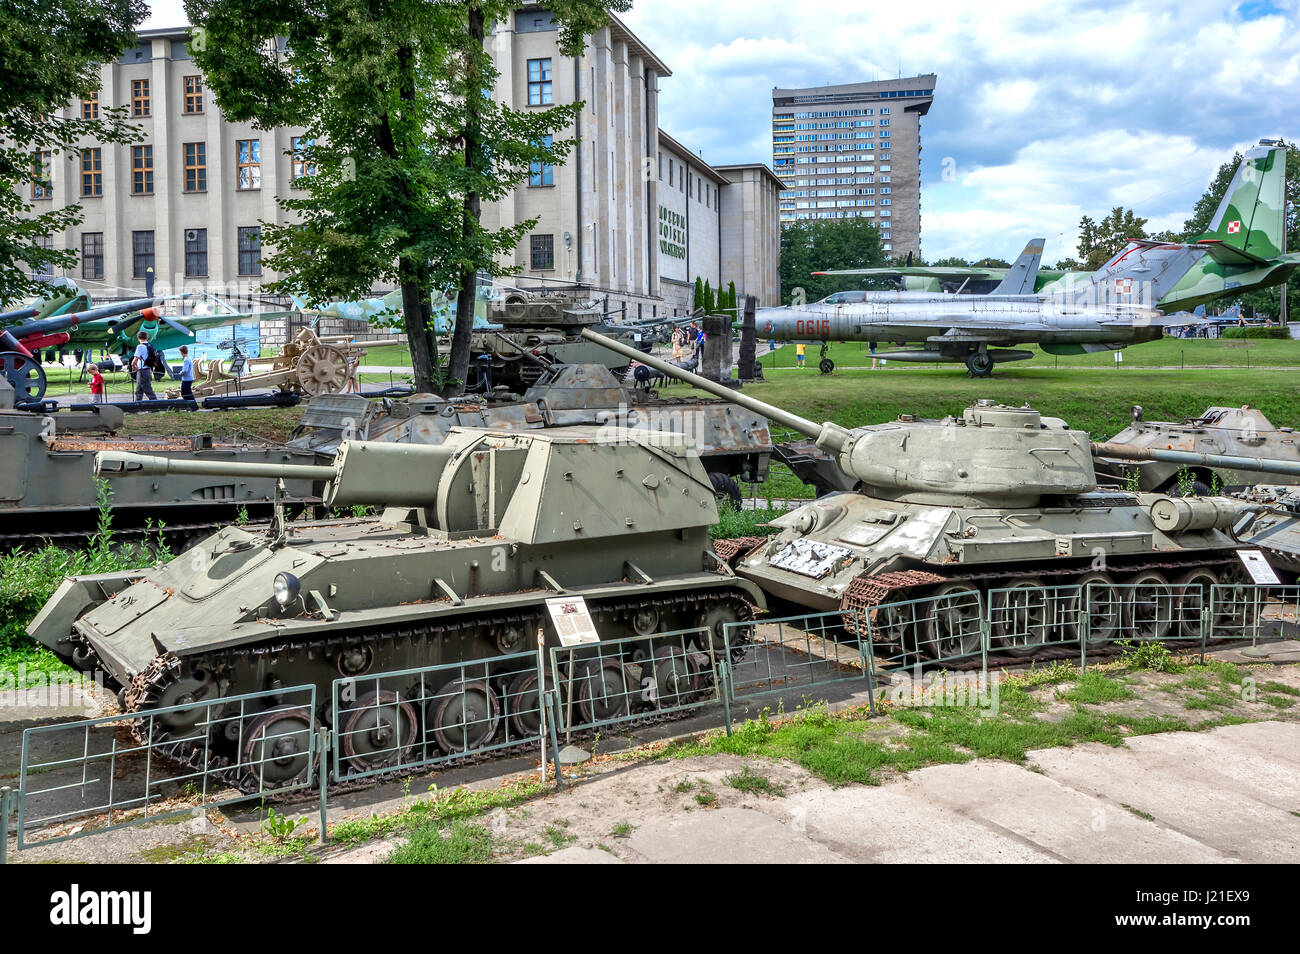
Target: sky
{"x":1043,"y":112}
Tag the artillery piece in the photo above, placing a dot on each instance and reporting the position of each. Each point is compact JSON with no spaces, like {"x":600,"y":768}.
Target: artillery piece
{"x":477,"y":532}
{"x":959,"y":511}
{"x":308,"y":364}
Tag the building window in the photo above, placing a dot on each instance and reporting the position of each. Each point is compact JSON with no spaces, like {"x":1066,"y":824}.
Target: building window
{"x":92,"y":172}
{"x":250,"y":250}
{"x":193,"y":94}
{"x":142,"y":170}
{"x":539,"y":82}
{"x":248,"y":160}
{"x":92,"y":254}
{"x":539,"y":173}
{"x":90,"y":106}
{"x":300,"y":165}
{"x":541,"y":251}
{"x":42,"y":188}
{"x":140,"y":97}
{"x":47,"y":269}
{"x":670,"y":172}
{"x":196,"y":167}
{"x":196,"y":253}
{"x":141,"y":253}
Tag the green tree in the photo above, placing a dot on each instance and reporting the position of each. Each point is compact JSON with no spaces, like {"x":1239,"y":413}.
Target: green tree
{"x":733,"y":305}
{"x":814,"y":245}
{"x":406,"y":143}
{"x":697,"y":298}
{"x":51,"y":50}
{"x":1101,"y":241}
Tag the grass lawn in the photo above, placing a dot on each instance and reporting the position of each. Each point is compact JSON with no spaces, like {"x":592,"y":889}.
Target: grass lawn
{"x":1166,"y":353}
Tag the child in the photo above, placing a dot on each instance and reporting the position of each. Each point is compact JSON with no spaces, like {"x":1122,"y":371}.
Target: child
{"x":96,"y":384}
{"x":799,"y":353}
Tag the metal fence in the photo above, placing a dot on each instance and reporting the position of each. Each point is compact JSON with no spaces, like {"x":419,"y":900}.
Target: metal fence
{"x":125,"y":767}
{"x":617,"y":681}
{"x":413,"y":718}
{"x":794,"y":652}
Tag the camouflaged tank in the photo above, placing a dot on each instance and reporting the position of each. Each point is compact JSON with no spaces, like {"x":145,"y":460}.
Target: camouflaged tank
{"x":477,"y":532}
{"x":732,"y":442}
{"x":998,"y":498}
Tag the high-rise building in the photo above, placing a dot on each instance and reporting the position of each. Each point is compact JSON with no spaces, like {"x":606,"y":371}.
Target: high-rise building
{"x":854,"y":151}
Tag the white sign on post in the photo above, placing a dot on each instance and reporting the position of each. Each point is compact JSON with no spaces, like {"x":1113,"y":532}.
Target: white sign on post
{"x":1119,"y":357}
{"x":1258,"y":567}
{"x":572,"y":621}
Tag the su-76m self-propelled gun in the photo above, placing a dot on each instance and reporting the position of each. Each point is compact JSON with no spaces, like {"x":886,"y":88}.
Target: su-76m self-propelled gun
{"x":477,"y":532}
{"x":997,"y":499}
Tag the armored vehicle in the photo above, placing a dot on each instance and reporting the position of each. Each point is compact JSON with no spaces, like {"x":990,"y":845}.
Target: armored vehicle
{"x":1232,"y":431}
{"x":48,"y":490}
{"x":997,"y":499}
{"x":732,"y":441}
{"x":477,"y":532}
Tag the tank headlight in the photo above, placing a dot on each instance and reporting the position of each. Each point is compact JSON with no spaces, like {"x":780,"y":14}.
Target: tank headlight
{"x":286,"y":587}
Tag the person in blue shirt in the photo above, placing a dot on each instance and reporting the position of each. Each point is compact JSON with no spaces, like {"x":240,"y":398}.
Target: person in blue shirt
{"x":187,"y":374}
{"x":143,"y":373}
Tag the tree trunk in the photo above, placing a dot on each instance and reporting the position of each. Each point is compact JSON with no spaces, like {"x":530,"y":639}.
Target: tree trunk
{"x":458,"y":363}
{"x":424,"y":352}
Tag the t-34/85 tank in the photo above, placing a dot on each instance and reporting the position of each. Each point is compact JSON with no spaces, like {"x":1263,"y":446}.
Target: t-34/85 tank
{"x":998,"y":498}
{"x":477,"y":533}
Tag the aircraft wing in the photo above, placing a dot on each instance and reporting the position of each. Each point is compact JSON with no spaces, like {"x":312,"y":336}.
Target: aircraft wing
{"x":922,"y":271}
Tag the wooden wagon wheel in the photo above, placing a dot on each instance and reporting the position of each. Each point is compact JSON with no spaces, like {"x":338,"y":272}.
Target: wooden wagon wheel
{"x":322,"y":369}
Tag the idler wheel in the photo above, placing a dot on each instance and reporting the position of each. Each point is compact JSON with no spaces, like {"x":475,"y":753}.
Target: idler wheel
{"x":951,"y":627}
{"x":378,"y":731}
{"x":1148,"y":606}
{"x":463,"y":715}
{"x":277,"y":747}
{"x":1020,"y":616}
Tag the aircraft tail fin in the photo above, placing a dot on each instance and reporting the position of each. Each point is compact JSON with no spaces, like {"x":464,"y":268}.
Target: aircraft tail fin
{"x":1142,"y":273}
{"x":1020,"y":278}
{"x":1250,"y":216}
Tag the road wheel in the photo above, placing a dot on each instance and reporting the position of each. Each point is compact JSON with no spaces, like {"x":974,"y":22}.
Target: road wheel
{"x":378,"y":731}
{"x":464,"y":715}
{"x":277,"y":747}
{"x":1020,"y":615}
{"x":1148,"y":606}
{"x":1192,"y":593}
{"x":952,"y":626}
{"x":1104,"y":612}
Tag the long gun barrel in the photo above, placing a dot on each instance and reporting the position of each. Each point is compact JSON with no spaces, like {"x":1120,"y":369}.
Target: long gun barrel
{"x":363,"y":472}
{"x":828,"y":435}
{"x":1264,"y":465}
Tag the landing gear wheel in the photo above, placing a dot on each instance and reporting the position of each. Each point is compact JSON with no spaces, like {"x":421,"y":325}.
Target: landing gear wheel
{"x":1020,"y":616}
{"x":523,"y":706}
{"x":1190,"y":601}
{"x":1101,"y":622}
{"x":979,"y":364}
{"x":725,"y":488}
{"x":463,"y":715}
{"x":826,"y":366}
{"x":1148,"y":606}
{"x":322,"y":369}
{"x":378,"y":732}
{"x":277,"y":747}
{"x":601,"y":692}
{"x":26,"y":375}
{"x":951,"y":628}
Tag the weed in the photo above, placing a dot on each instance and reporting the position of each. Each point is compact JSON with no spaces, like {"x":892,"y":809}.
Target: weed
{"x":1145,"y":816}
{"x":747,"y":780}
{"x":456,"y":843}
{"x":1150,"y":654}
{"x":280,"y":828}
{"x":1093,"y":688}
{"x":621,"y":830}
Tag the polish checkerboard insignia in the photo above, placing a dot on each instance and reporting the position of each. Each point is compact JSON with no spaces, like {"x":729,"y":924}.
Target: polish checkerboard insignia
{"x":1123,"y":286}
{"x":1234,"y":226}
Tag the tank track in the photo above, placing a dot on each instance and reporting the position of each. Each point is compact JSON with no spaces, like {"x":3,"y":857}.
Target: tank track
{"x":148,"y":685}
{"x":867,"y":591}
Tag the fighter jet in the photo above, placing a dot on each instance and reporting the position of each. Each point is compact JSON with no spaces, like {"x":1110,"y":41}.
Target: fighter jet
{"x":1253,"y":202}
{"x":1124,"y":302}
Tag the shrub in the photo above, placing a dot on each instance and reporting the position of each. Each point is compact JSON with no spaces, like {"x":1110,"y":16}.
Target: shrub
{"x":1257,"y":331}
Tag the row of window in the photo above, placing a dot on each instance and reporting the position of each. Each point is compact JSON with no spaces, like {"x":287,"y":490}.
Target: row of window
{"x":142,"y":99}
{"x":194,"y":156}
{"x":833,"y":114}
{"x":703,"y":191}
{"x":196,"y":252}
{"x":838,"y":203}
{"x":805,"y":193}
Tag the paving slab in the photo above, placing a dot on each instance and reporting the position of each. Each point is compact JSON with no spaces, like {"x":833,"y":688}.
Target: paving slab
{"x":1190,"y":788}
{"x":897,"y":823}
{"x":728,"y":836}
{"x":1075,"y":826}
